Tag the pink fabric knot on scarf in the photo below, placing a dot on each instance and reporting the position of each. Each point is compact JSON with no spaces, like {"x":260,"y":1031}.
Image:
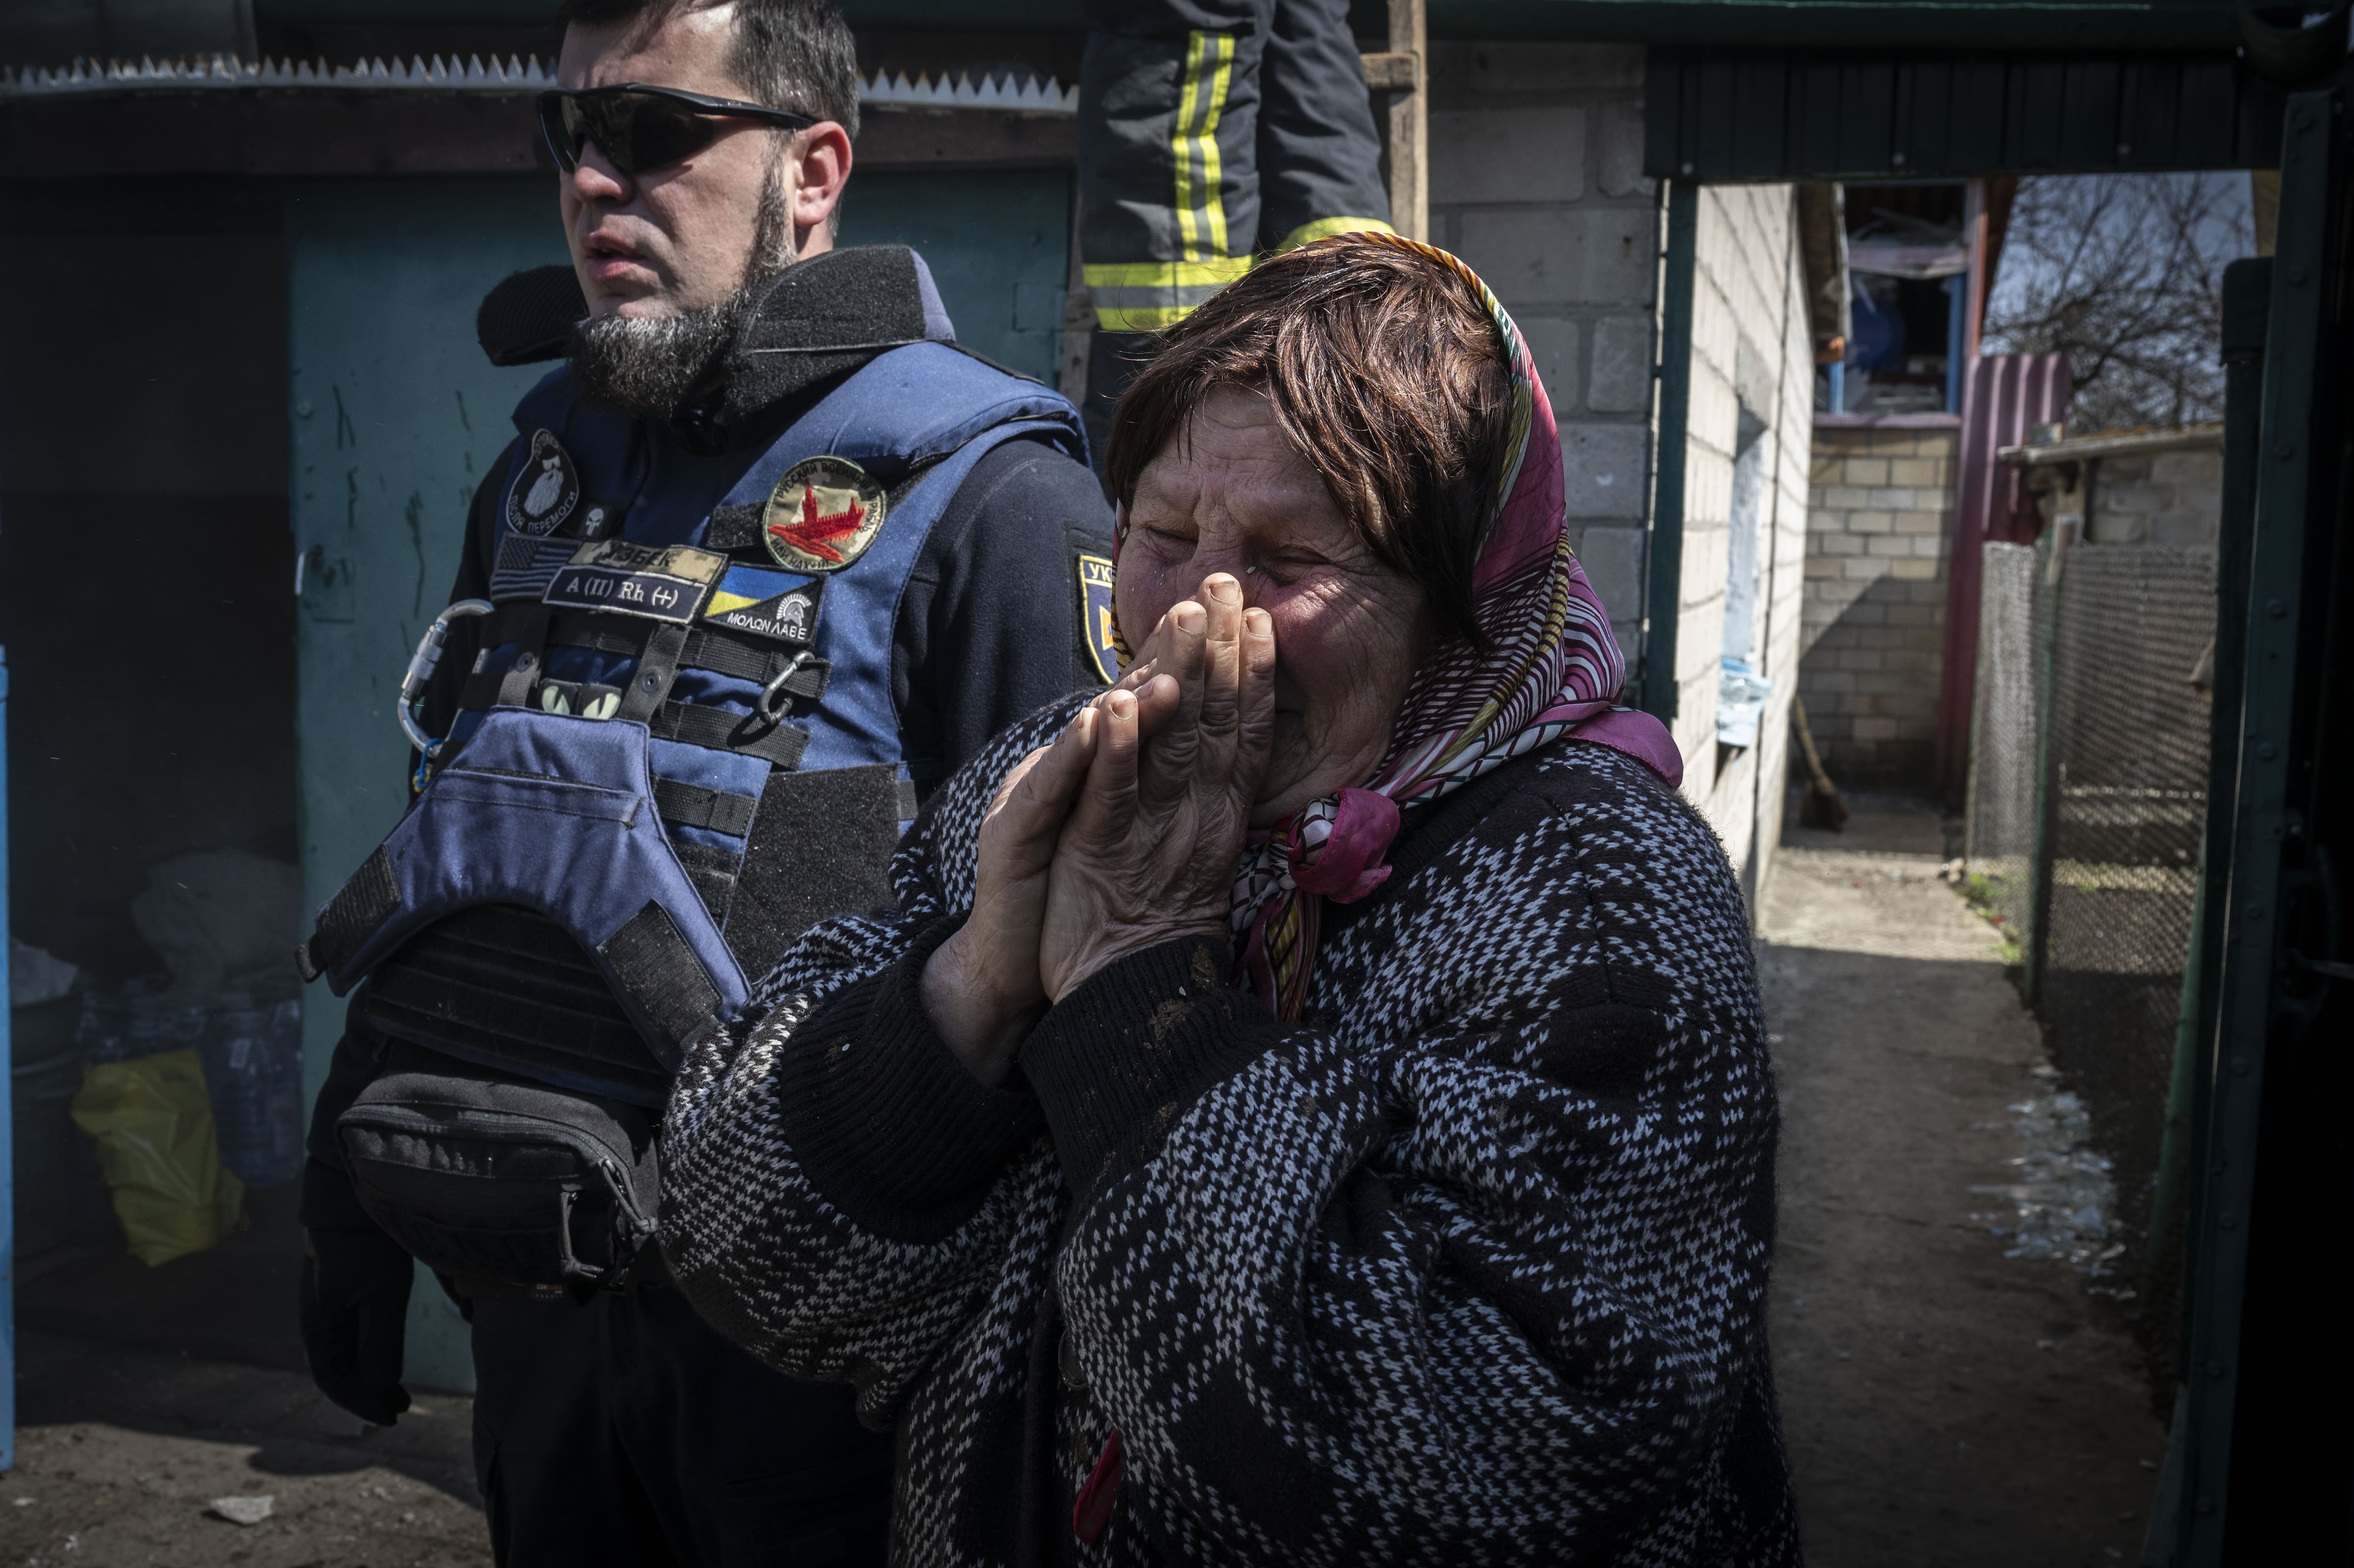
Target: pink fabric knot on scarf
{"x":1349,"y":866}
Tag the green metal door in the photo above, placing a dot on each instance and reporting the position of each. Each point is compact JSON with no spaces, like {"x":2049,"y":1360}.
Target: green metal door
{"x":998,"y":244}
{"x":395,"y":414}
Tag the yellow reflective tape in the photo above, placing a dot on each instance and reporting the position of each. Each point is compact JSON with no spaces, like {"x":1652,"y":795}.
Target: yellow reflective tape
{"x":1214,"y":201}
{"x":1215,"y":273}
{"x":1325,"y":228}
{"x":1180,"y":140}
{"x":1201,"y":213}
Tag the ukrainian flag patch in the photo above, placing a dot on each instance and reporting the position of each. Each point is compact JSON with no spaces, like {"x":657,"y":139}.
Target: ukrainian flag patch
{"x":764,"y":602}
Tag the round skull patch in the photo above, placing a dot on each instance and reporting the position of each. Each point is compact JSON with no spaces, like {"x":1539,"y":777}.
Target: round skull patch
{"x":546,"y":490}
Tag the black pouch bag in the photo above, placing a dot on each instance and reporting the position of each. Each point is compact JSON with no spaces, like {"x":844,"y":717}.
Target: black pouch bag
{"x":509,"y":1189}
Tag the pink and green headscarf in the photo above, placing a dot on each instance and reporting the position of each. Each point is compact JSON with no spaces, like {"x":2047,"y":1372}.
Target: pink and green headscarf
{"x":1552,"y":668}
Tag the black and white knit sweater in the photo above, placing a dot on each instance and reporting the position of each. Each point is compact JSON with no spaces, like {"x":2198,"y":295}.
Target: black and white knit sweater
{"x":1470,"y":1267}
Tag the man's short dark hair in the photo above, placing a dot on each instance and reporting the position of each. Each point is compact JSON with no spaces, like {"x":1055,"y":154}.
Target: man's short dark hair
{"x":794,"y":54}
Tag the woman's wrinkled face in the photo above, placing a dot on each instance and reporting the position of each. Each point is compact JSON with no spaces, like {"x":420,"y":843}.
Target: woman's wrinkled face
{"x":1235,"y":495}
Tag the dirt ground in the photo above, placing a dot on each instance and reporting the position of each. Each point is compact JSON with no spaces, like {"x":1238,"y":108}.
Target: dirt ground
{"x":121,"y":1453}
{"x":145,"y":1394}
{"x":1944,"y":1404}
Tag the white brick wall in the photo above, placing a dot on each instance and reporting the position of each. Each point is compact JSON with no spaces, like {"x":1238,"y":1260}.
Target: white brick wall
{"x":1875,"y":600}
{"x":1752,"y":357}
{"x":1536,"y":180}
{"x":2157,"y":498}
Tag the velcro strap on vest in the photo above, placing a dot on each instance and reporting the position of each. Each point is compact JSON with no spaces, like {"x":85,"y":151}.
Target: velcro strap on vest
{"x":723,"y":653}
{"x":713,"y":872}
{"x":733,"y":528}
{"x":692,"y":806}
{"x":662,"y":976}
{"x":809,"y":681}
{"x":722,"y":730}
{"x":500,"y":985}
{"x":365,"y":902}
{"x":504,"y":623}
{"x":715,"y":649}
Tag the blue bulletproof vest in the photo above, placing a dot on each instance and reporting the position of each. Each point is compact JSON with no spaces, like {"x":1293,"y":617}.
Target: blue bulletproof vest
{"x":678,"y":747}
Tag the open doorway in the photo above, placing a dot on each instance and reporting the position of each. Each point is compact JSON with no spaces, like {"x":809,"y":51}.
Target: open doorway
{"x":146,"y":611}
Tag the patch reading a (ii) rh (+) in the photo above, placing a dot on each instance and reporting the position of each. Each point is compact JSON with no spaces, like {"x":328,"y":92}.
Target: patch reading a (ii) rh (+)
{"x":821,"y":515}
{"x":660,"y":582}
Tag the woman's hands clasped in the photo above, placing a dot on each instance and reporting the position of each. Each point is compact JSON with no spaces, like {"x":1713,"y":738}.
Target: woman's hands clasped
{"x":1121,"y":835}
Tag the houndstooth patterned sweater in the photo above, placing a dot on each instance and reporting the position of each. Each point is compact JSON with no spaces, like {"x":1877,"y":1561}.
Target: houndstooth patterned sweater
{"x":1470,"y":1267}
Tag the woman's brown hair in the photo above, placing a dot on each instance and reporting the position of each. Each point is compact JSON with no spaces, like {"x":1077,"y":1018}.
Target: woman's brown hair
{"x":1387,"y":373}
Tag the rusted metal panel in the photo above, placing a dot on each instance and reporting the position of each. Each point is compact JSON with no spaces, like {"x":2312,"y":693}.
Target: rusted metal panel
{"x":2003,"y":396}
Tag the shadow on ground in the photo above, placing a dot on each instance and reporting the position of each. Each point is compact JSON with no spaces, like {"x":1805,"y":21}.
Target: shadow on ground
{"x":1944,"y":1404}
{"x":145,"y":1394}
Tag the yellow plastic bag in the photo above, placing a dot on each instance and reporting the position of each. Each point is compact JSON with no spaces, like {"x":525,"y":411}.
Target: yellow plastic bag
{"x":153,"y":1127}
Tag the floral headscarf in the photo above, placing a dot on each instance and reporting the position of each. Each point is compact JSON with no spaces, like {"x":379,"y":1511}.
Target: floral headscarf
{"x":1552,"y":668}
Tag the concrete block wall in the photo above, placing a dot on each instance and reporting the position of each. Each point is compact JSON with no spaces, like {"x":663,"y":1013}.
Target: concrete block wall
{"x":1874,"y":609}
{"x":1536,"y":180}
{"x":1751,"y":357}
{"x":2157,"y":498}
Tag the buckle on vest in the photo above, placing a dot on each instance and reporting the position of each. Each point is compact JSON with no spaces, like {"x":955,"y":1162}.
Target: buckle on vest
{"x":427,"y":659}
{"x":774,"y":701}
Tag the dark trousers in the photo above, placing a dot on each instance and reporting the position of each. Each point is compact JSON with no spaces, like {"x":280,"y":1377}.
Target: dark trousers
{"x":629,"y":1433}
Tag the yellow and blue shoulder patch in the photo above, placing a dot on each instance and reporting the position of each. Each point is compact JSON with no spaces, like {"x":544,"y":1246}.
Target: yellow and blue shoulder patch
{"x":1096,"y":629}
{"x":778,"y":605}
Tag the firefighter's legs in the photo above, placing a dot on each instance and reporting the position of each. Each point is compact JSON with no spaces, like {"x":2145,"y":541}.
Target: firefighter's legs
{"x":1320,"y":153}
{"x":1210,"y":129}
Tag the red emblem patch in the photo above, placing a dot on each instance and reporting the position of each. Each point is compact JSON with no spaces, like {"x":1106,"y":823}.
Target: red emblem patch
{"x":822,"y":515}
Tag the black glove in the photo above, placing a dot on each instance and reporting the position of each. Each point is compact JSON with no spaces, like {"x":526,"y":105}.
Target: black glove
{"x":355,"y":1320}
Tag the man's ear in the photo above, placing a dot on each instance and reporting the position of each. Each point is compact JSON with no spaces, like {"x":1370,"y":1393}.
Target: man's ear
{"x":821,"y":159}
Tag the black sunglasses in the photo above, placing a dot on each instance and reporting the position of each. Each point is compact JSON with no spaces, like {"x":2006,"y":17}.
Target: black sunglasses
{"x":639,"y":127}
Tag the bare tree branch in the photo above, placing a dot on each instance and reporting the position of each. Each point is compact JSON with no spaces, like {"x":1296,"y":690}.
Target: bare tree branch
{"x":2124,"y":275}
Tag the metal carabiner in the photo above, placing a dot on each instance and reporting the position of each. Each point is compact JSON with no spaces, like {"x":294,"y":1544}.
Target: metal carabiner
{"x":774,"y":701}
{"x":427,"y":659}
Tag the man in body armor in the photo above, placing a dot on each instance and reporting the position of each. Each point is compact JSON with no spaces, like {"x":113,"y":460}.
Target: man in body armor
{"x":768,"y":558}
